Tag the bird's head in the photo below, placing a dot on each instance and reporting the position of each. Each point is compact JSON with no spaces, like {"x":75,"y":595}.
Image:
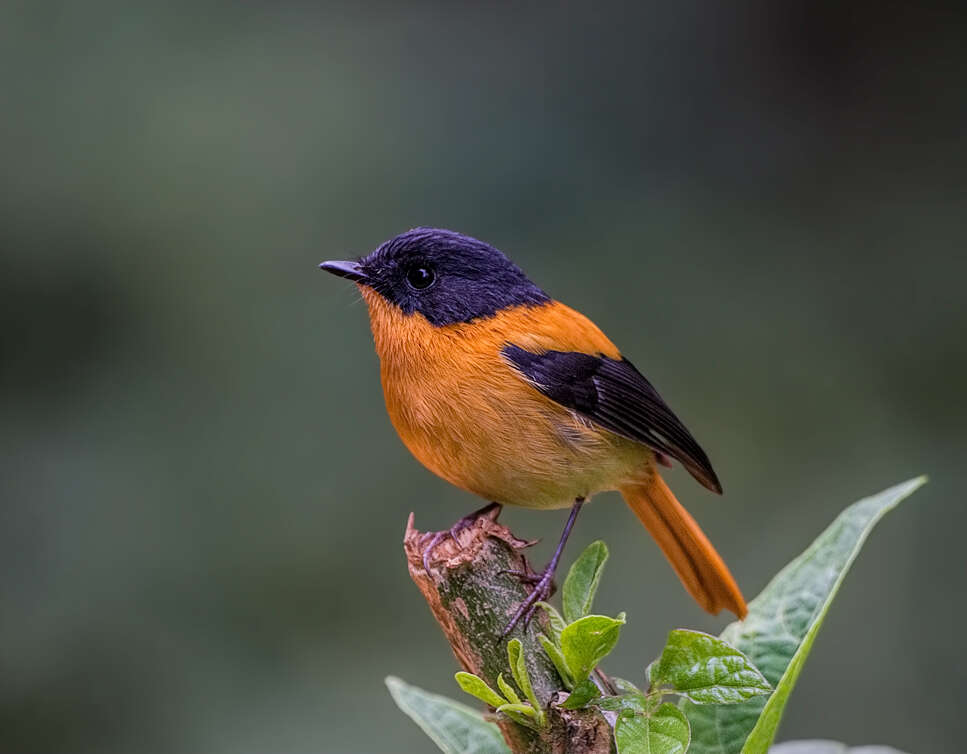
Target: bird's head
{"x":443,"y":275}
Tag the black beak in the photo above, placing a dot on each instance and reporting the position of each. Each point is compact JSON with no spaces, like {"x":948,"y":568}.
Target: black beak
{"x":348,"y":270}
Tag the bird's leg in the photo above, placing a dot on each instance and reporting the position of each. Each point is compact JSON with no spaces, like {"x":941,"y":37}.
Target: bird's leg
{"x":464,"y":523}
{"x":542,"y":589}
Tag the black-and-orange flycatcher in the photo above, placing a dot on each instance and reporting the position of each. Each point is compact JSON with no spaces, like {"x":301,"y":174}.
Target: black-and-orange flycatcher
{"x":515,"y":397}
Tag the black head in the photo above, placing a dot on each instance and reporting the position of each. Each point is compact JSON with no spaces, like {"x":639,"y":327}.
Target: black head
{"x":445,"y":276}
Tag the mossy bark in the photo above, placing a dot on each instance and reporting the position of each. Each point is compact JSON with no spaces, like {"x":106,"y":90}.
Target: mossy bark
{"x":473,"y":597}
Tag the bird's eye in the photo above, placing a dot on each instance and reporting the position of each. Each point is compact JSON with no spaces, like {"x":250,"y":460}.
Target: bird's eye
{"x":420,"y":276}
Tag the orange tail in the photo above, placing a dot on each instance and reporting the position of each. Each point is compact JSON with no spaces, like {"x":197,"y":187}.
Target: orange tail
{"x":698,"y":565}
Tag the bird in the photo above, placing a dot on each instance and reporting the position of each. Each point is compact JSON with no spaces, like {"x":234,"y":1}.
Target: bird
{"x":513,"y":396}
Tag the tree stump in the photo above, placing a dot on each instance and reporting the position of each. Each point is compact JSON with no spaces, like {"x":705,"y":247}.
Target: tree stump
{"x":472,"y":596}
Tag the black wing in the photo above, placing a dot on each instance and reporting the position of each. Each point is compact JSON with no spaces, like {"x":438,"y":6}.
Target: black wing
{"x":616,"y":396}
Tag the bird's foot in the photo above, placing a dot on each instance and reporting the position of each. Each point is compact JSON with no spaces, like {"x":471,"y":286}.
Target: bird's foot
{"x":464,"y":523}
{"x":544,"y":586}
{"x":543,"y":589}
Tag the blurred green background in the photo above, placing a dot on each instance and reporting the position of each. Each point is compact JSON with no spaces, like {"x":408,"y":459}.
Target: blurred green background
{"x":202,"y":499}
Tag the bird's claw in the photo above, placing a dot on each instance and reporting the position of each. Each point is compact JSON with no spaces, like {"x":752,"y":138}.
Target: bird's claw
{"x":464,"y":523}
{"x":543,"y":589}
{"x":438,"y":537}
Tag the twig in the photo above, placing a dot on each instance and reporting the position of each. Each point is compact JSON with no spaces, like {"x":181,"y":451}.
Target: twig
{"x":472,"y":596}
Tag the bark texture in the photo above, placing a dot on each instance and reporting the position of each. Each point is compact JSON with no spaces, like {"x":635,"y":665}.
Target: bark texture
{"x":472,"y":597}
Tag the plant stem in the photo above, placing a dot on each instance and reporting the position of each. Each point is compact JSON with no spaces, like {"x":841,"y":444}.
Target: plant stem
{"x":472,"y":596}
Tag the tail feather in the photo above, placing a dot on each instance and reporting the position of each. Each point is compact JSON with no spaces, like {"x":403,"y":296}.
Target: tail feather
{"x":698,"y":565}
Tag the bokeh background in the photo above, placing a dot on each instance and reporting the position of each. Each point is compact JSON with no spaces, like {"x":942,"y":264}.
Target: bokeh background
{"x":202,"y":499}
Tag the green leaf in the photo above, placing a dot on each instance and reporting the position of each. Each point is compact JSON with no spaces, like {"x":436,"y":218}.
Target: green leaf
{"x":587,"y":641}
{"x":507,"y":690}
{"x":707,"y":670}
{"x":521,"y":709}
{"x":625,"y":687}
{"x":557,"y":657}
{"x":828,"y":747}
{"x":515,"y":650}
{"x":583,"y":693}
{"x":518,"y":667}
{"x":527,"y":722}
{"x":582,"y":581}
{"x":555,"y":621}
{"x":522,"y":714}
{"x":634,"y":703}
{"x":781,"y":627}
{"x":665,"y":732}
{"x":455,"y":728}
{"x":476,"y":687}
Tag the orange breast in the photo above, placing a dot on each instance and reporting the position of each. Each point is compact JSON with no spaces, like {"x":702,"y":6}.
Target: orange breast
{"x":469,"y":417}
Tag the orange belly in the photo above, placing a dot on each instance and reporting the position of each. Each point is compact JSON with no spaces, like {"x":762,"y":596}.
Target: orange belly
{"x":470,"y":418}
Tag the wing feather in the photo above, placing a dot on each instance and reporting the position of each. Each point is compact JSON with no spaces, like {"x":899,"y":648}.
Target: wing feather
{"x":613,"y":394}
